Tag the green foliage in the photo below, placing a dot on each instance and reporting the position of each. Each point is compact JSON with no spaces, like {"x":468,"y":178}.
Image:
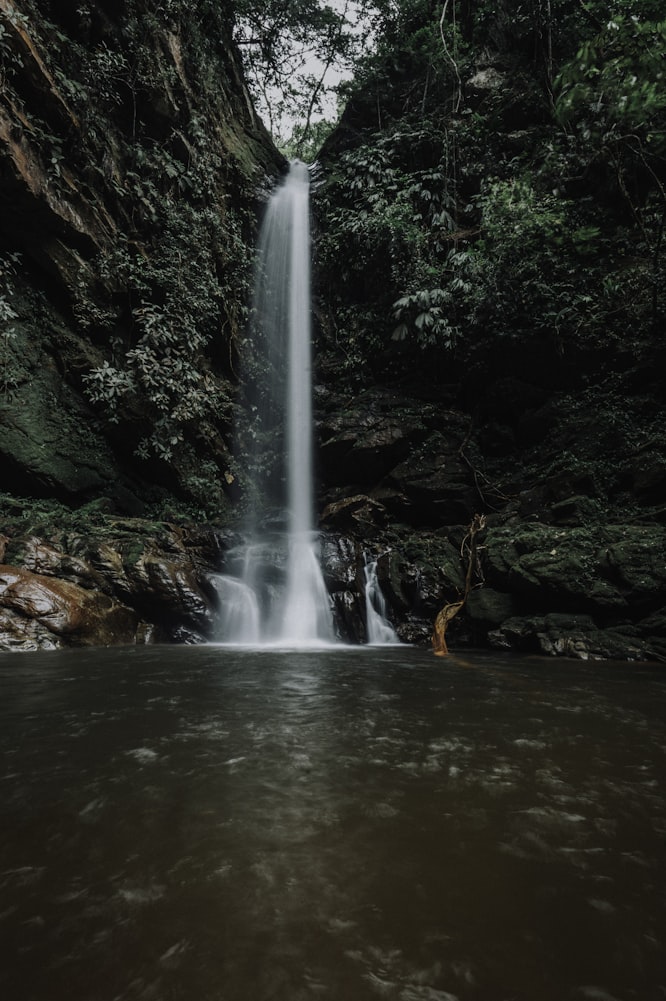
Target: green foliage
{"x":612,"y":95}
{"x":425,"y":312}
{"x":615,"y":84}
{"x":392,"y":205}
{"x":530,"y":281}
{"x":160,"y":368}
{"x":144,"y":140}
{"x":482,"y":241}
{"x":612,"y":100}
{"x":429,"y":315}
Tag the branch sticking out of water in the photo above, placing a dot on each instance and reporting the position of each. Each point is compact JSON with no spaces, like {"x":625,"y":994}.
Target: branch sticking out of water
{"x":450,"y":610}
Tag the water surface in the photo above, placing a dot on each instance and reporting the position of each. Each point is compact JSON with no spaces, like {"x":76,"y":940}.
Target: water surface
{"x":203,"y":824}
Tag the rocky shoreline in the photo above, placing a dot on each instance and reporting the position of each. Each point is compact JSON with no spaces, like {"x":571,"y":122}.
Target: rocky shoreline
{"x":564,"y":568}
{"x":546,"y":589}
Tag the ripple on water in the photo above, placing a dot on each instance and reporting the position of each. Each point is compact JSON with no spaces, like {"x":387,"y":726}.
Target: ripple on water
{"x":591,"y":992}
{"x":140,"y":895}
{"x":144,"y":755}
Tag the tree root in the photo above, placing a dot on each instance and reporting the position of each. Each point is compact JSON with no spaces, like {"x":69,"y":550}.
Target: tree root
{"x":450,"y":610}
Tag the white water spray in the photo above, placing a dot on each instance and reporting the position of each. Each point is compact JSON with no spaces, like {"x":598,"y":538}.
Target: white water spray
{"x":290,"y":607}
{"x":379,"y":630}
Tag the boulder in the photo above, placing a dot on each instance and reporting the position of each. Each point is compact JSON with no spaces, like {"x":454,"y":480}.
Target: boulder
{"x":349,"y":616}
{"x":605,"y":571}
{"x":42,"y":557}
{"x":398,"y":451}
{"x":576,"y":636}
{"x":157,"y":571}
{"x":83,"y":618}
{"x":434,"y":483}
{"x":17,"y":633}
{"x":339,"y":560}
{"x":168,"y":591}
{"x":648,"y":471}
{"x":487,"y":609}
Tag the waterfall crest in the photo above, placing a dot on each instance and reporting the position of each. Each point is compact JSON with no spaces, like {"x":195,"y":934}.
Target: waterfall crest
{"x":278,"y":595}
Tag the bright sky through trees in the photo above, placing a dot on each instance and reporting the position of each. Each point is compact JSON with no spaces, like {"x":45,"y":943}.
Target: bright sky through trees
{"x":296,"y":54}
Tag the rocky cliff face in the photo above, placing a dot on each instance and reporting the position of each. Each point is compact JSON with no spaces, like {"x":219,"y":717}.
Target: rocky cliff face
{"x":130,"y":163}
{"x":131,"y":167}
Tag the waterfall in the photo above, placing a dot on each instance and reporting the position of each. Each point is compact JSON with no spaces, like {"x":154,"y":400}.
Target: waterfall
{"x":239,"y":614}
{"x":379,"y":630}
{"x":278,"y":595}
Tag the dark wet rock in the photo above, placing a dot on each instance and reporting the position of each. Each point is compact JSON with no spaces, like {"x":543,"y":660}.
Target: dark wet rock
{"x":339,"y":560}
{"x":412,"y":597}
{"x":160,"y":573}
{"x":84,"y":618}
{"x":363,"y":437}
{"x":399,"y":581}
{"x":602,"y":570}
{"x":648,"y":471}
{"x":434,"y":485}
{"x":41,"y":557}
{"x":403,"y":454}
{"x":18,"y":633}
{"x":654,"y":625}
{"x":168,"y":591}
{"x":487,"y":609}
{"x":349,"y":616}
{"x":576,"y":510}
{"x":632,"y":557}
{"x":359,"y":513}
{"x":551,"y":589}
{"x":571,"y":636}
{"x":414,"y":630}
{"x":575,"y":591}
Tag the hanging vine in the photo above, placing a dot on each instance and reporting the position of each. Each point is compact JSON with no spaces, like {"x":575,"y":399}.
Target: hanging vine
{"x":457,"y":98}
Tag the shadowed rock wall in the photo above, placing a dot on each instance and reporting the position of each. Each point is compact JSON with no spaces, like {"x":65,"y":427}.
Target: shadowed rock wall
{"x":131,"y":160}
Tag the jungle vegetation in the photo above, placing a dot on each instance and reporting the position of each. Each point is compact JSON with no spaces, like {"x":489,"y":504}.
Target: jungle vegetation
{"x":491,"y":198}
{"x":497,"y":182}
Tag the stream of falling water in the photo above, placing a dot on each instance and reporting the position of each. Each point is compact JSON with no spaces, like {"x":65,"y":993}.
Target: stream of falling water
{"x":379,"y":630}
{"x":275,"y":591}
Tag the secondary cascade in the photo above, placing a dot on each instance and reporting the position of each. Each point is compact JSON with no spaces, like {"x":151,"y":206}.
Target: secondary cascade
{"x":379,"y":630}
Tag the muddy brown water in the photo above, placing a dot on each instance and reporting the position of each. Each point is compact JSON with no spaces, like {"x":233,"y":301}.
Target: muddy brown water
{"x":204,"y":824}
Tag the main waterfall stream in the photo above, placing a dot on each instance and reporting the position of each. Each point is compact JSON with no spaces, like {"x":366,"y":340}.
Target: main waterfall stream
{"x":211,"y":824}
{"x":275,"y":592}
